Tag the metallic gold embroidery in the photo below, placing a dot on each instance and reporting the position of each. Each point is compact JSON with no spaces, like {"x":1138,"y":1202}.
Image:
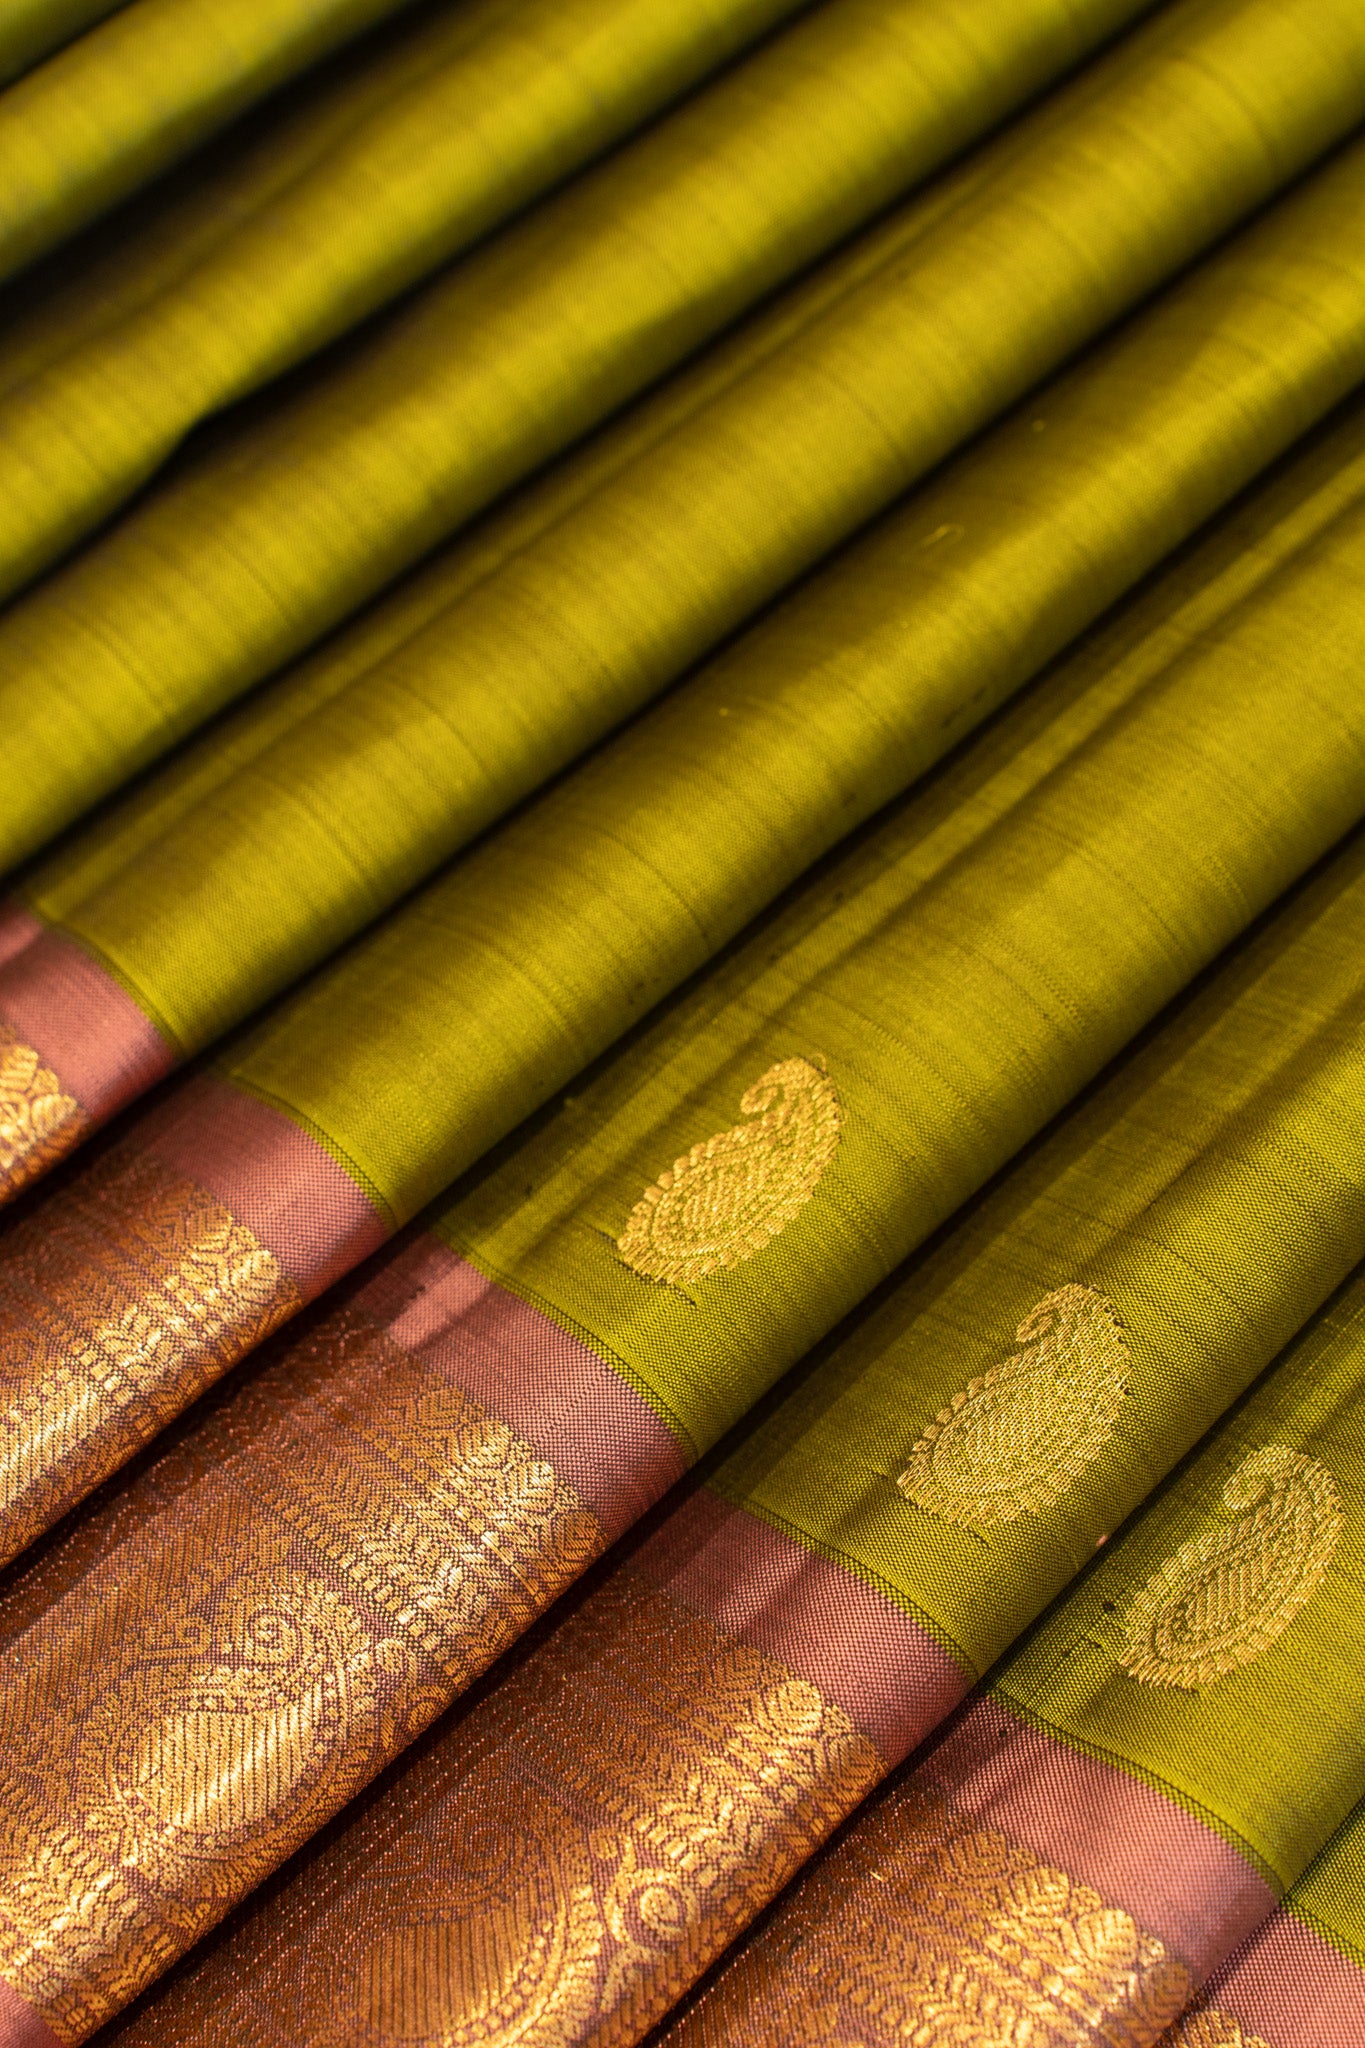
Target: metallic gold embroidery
{"x":120,"y":1300}
{"x":220,"y":1684}
{"x":731,"y":1194}
{"x":39,"y":1122}
{"x":1226,"y":1596}
{"x":514,"y":1958}
{"x":926,"y":1929}
{"x":1214,"y":2029}
{"x":1011,"y":1442}
{"x":612,"y":1815}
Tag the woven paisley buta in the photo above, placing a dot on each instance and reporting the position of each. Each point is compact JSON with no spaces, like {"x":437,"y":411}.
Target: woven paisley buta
{"x":122,"y":1297}
{"x":39,"y":1122}
{"x":1011,"y":1442}
{"x":1214,"y":2029}
{"x":927,"y":1929}
{"x":1226,"y":1596}
{"x":564,"y":1866}
{"x":221,"y":1683}
{"x":733,"y":1193}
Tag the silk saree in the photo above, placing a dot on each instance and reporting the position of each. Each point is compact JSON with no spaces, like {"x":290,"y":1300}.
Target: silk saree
{"x":881,"y":701}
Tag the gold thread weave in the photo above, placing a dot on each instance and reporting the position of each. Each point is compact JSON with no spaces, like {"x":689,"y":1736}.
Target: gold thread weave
{"x":39,"y":1122}
{"x":733,"y":1193}
{"x":214,"y":1690}
{"x":1214,"y":2029}
{"x":1225,"y":1597}
{"x":925,"y":1929}
{"x":121,"y":1299}
{"x":1012,"y":1441}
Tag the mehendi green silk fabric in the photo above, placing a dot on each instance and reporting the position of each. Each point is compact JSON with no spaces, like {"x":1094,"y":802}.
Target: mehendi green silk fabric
{"x":486,"y":107}
{"x":959,"y":991}
{"x":139,"y":90}
{"x":236,"y":869}
{"x":32,"y":29}
{"x":1270,"y":1750}
{"x":1160,"y":147}
{"x":1211,"y":1192}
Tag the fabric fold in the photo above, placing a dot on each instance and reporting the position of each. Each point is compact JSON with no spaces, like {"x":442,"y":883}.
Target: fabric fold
{"x":137,"y":92}
{"x":739,"y":1682}
{"x":487,"y":107}
{"x":1299,"y":1982}
{"x":32,"y":29}
{"x":1102,"y":1828}
{"x":400,"y":1065}
{"x":232,"y":569}
{"x":567,"y":1335}
{"x":236,"y":870}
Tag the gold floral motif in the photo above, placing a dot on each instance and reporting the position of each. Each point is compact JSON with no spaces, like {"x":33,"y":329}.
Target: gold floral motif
{"x":1226,"y":1596}
{"x":1214,"y":2029}
{"x":228,"y":1741}
{"x":216,"y":1687}
{"x":451,"y":1525}
{"x":120,"y":1300}
{"x":925,"y":1929}
{"x":39,"y":1122}
{"x":731,"y":1194}
{"x":1011,"y":1442}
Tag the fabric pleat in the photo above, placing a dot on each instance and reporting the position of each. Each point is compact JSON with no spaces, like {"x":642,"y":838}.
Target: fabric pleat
{"x":1299,"y":1981}
{"x":1164,"y":145}
{"x":1139,"y":1783}
{"x":735,"y":1685}
{"x":333,"y":794}
{"x":568,"y":1334}
{"x":139,"y":90}
{"x":485,"y":107}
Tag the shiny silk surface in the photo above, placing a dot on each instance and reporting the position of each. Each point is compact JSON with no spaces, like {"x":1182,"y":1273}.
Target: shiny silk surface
{"x":408,"y":1056}
{"x":1164,"y":1132}
{"x":252,"y":553}
{"x":982,"y":1896}
{"x":192,"y":895}
{"x":793,"y":1131}
{"x":1174,"y":136}
{"x":485,"y":107}
{"x":141,"y":89}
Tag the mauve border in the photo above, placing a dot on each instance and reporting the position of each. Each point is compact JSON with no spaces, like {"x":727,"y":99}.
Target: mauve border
{"x":1291,"y":1986}
{"x":103,"y":1049}
{"x":892,"y":1678}
{"x":600,"y":1436}
{"x":1177,"y":1877}
{"x":20,"y":2025}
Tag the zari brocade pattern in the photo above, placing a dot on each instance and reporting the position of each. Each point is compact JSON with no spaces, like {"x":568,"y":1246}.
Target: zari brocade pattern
{"x":562,"y":1866}
{"x":217,"y":1688}
{"x":39,"y":1122}
{"x":120,"y":1301}
{"x":926,"y":1930}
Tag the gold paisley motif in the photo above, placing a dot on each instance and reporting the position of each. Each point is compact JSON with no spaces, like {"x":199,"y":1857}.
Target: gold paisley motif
{"x":731,"y":1194}
{"x":1226,"y":1596}
{"x":1214,"y":2029}
{"x":1011,"y":1442}
{"x":511,"y":1960}
{"x":39,"y":1122}
{"x":225,"y":1746}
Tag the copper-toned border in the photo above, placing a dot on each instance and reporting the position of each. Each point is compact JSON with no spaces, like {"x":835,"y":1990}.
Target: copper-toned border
{"x":600,"y":1436}
{"x":273,"y":1177}
{"x":78,"y":1020}
{"x":20,"y":2025}
{"x":1291,"y":1988}
{"x":18,"y":928}
{"x":890,"y":1676}
{"x":1138,"y":1849}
